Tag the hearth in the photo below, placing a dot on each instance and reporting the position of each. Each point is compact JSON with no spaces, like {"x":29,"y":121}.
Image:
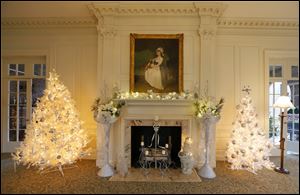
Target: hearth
{"x":170,"y":135}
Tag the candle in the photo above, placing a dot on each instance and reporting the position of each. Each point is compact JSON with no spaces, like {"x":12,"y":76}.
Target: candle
{"x":146,"y":152}
{"x":163,"y":152}
{"x":167,"y":145}
{"x":142,"y":143}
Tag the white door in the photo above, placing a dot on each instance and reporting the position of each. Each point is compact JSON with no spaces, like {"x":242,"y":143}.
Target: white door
{"x":283,"y":80}
{"x":23,"y":81}
{"x":293,"y":114}
{"x":16,"y":111}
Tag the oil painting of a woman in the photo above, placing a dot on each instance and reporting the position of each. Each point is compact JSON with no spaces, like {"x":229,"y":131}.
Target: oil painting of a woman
{"x":156,"y":63}
{"x":153,"y":73}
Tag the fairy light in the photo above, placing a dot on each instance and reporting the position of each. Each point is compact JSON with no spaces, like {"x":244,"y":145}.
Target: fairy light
{"x":249,"y":148}
{"x":55,"y":136}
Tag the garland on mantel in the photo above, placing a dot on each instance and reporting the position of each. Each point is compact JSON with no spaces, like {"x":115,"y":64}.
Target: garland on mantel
{"x":203,"y":105}
{"x":150,"y":95}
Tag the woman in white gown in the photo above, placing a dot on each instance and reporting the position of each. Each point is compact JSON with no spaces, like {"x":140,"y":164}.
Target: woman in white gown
{"x":152,"y":70}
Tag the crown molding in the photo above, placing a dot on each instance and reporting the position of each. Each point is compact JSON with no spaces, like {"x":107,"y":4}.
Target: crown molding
{"x":210,"y":9}
{"x":158,"y":9}
{"x":257,"y":23}
{"x":222,"y":23}
{"x":47,"y":22}
{"x":118,"y":9}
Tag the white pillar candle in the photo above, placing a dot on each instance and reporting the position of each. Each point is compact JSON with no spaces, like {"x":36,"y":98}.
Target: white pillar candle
{"x":142,"y":144}
{"x":146,"y":152}
{"x":167,"y":146}
{"x":163,"y":152}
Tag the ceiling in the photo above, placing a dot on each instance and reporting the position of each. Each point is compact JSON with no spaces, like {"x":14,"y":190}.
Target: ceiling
{"x":249,"y":9}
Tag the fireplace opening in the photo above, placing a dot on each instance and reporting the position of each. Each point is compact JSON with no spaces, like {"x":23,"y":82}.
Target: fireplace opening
{"x":167,"y":135}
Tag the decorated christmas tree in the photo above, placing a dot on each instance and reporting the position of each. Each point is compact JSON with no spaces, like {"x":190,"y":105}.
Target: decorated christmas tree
{"x":249,"y":148}
{"x":55,"y":136}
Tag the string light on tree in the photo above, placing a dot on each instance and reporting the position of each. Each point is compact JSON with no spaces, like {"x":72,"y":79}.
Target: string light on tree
{"x":55,"y":136}
{"x":249,"y":148}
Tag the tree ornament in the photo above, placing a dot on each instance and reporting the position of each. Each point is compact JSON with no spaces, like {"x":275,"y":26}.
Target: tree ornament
{"x":249,"y":148}
{"x":49,"y":141}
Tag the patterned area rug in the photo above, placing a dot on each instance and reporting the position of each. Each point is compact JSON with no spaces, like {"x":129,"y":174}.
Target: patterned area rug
{"x":84,"y":180}
{"x":173,"y":175}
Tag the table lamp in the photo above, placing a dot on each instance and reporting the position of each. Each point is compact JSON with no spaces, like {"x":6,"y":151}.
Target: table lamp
{"x":283,"y":102}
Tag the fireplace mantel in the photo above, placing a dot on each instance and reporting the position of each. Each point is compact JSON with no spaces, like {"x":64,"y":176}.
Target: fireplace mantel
{"x":179,"y":112}
{"x":154,"y":102}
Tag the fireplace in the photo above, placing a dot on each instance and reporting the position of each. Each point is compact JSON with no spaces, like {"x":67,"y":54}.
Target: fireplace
{"x":170,"y":135}
{"x":141,"y":114}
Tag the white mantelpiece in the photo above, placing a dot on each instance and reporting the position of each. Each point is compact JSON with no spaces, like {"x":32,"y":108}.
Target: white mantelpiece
{"x":143,"y":112}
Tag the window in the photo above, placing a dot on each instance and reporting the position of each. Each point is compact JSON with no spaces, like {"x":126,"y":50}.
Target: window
{"x":293,"y":114}
{"x":275,"y":71}
{"x":16,"y":70}
{"x":275,"y":90}
{"x":39,"y":70}
{"x":23,"y":94}
{"x":295,"y":71}
{"x":283,"y":80}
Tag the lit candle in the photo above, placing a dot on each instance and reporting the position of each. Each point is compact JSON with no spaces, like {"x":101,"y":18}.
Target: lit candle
{"x":146,"y":152}
{"x":142,"y":143}
{"x":167,"y":145}
{"x":163,"y":152}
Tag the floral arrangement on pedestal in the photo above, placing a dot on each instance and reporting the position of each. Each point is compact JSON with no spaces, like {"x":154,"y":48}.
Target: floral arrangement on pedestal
{"x":208,"y":112}
{"x":207,"y":106}
{"x":107,"y":112}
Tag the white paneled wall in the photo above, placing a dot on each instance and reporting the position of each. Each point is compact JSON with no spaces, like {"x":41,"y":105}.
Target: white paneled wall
{"x":239,"y":62}
{"x":237,"y":59}
{"x":72,"y":52}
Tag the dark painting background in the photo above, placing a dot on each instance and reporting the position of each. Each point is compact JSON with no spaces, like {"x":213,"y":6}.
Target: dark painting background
{"x":144,"y":51}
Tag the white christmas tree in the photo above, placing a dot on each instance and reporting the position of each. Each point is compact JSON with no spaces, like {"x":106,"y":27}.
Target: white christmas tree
{"x":55,"y":136}
{"x":249,"y":148}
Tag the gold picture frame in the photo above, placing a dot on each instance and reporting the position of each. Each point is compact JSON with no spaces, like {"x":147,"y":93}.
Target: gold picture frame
{"x":156,"y":62}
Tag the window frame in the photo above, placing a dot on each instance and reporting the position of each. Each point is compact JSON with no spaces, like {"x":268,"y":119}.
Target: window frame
{"x":13,"y":56}
{"x":272,"y":57}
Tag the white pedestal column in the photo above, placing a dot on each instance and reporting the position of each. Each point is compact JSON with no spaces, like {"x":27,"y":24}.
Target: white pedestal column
{"x":107,"y":170}
{"x":206,"y":170}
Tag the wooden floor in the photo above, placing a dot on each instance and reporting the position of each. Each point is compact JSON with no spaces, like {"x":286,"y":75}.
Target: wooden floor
{"x":85,"y":180}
